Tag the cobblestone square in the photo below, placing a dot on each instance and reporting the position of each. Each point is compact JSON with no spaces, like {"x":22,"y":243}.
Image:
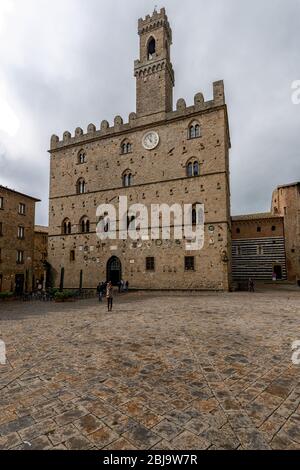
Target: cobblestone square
{"x":162,"y":371}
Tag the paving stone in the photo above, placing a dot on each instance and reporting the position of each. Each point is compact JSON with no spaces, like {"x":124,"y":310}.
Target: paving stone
{"x":120,"y":444}
{"x":70,"y":416}
{"x":119,"y":422}
{"x":218,"y":373}
{"x":7,"y":418}
{"x":149,"y":419}
{"x":167,"y":430}
{"x":162,"y":445}
{"x":103,"y":437}
{"x":292,"y":430}
{"x":62,"y":434}
{"x":100,"y":409}
{"x":272,"y":425}
{"x":282,"y":441}
{"x":141,"y":437}
{"x":189,"y":441}
{"x":37,"y":430}
{"x":197,"y":426}
{"x":40,"y":443}
{"x":133,"y":409}
{"x":88,"y":424}
{"x":223,"y":438}
{"x":178,"y":417}
{"x":78,"y":443}
{"x":251,"y":439}
{"x":9,"y":441}
{"x":16,"y":425}
{"x":239,"y":420}
{"x":206,"y":405}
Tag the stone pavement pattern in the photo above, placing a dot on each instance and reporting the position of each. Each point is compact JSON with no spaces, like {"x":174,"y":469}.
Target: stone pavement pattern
{"x":163,"y":371}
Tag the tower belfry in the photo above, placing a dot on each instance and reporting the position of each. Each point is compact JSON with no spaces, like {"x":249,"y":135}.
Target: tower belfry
{"x":153,"y":71}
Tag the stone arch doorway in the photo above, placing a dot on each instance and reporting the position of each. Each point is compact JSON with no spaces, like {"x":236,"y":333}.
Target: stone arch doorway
{"x":114,"y":270}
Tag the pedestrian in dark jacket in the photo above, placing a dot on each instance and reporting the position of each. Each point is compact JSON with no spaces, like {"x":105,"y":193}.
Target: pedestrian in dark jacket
{"x":109,"y":296}
{"x":251,"y":285}
{"x":99,"y":292}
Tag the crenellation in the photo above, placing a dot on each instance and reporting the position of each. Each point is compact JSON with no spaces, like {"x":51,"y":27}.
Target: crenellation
{"x":67,"y":136}
{"x":78,"y":132}
{"x":219,"y":94}
{"x":135,"y":121}
{"x":54,"y":141}
{"x":132,"y":118}
{"x":118,"y":122}
{"x":181,"y":104}
{"x":91,"y":128}
{"x":198,"y":100}
{"x":104,"y":125}
{"x":154,"y":21}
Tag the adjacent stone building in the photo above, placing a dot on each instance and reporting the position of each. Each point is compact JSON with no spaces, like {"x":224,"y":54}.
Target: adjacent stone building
{"x":286,"y":203}
{"x":17,"y":215}
{"x":40,"y":256}
{"x":266,"y":246}
{"x":161,"y":155}
{"x":258,"y":247}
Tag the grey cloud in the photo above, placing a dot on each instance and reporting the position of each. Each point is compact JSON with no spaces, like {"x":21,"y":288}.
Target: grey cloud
{"x":79,"y":69}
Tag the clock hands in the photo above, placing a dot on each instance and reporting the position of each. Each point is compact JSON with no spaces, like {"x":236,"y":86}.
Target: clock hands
{"x":151,"y":140}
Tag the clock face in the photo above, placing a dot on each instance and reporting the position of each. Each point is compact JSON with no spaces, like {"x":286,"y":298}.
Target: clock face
{"x":150,"y":140}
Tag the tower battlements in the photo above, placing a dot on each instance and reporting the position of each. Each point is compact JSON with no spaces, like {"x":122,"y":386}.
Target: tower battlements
{"x":154,"y":21}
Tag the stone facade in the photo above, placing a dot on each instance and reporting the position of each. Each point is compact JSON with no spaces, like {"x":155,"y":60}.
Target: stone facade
{"x":17,"y":215}
{"x":88,"y":169}
{"x":275,"y":247}
{"x":40,"y":255}
{"x":286,"y":202}
{"x":258,"y":247}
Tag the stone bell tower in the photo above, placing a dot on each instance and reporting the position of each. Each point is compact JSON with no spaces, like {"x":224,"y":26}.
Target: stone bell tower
{"x":153,"y":71}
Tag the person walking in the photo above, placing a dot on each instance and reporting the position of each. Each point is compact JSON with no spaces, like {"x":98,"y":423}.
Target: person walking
{"x":251,"y":285}
{"x":109,"y":296}
{"x":99,"y":292}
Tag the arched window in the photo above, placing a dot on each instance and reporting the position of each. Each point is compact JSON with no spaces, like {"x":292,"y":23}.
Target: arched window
{"x":126,"y":147}
{"x":197,"y":213}
{"x":81,"y":186}
{"x":194,"y":130}
{"x":127,"y":179}
{"x":81,"y":157}
{"x":66,"y":227}
{"x":151,"y":48}
{"x":84,"y":225}
{"x":193,"y":168}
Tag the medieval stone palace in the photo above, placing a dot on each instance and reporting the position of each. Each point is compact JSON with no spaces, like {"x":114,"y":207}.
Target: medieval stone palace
{"x":161,"y":155}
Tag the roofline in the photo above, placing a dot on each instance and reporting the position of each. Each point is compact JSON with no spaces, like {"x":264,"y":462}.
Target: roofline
{"x":288,"y":185}
{"x":251,"y":217}
{"x":41,"y":229}
{"x":5,"y":188}
{"x":112,"y":133}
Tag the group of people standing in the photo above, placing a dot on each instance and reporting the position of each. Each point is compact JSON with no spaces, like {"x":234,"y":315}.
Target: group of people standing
{"x":106,"y":289}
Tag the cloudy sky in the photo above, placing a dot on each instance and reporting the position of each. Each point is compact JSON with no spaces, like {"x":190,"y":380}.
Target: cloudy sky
{"x":66,"y":63}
